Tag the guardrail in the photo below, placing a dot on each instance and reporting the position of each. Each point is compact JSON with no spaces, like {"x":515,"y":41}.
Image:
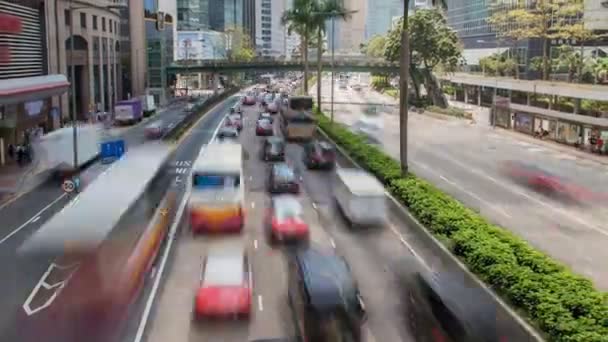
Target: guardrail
{"x":510,"y":326}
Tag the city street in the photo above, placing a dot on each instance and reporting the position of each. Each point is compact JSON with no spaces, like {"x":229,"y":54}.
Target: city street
{"x":24,"y":216}
{"x":466,"y":161}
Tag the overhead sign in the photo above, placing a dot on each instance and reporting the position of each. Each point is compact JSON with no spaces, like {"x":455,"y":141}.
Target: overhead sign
{"x":68,"y":186}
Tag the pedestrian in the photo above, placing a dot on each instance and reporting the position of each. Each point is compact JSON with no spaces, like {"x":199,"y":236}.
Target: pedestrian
{"x":20,"y":155}
{"x":11,"y":151}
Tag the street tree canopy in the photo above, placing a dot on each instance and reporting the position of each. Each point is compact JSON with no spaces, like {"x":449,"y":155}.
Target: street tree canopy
{"x":375,"y":46}
{"x":432,"y":41}
{"x":238,"y":45}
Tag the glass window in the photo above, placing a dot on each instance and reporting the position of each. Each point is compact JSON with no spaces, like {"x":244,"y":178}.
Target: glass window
{"x":94,"y":22}
{"x":110,"y":25}
{"x":203,"y":181}
{"x":67,"y":16}
{"x":83,"y":20}
{"x":300,"y":104}
{"x":103,"y":24}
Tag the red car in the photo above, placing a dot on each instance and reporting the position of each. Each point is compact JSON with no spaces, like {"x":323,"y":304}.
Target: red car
{"x":263,"y":127}
{"x":284,"y":220}
{"x":249,"y":99}
{"x":154,"y":130}
{"x":226,"y":285}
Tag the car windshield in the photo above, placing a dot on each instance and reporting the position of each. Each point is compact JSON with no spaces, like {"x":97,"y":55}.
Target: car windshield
{"x":284,"y":172}
{"x":286,"y":208}
{"x":224,"y":270}
{"x":264,"y":122}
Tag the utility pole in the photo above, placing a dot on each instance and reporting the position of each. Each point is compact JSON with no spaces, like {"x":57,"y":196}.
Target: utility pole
{"x":73,"y":86}
{"x":403,"y":93}
{"x":333,"y":46}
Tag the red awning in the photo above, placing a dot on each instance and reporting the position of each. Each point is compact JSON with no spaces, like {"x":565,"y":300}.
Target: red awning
{"x":19,"y":90}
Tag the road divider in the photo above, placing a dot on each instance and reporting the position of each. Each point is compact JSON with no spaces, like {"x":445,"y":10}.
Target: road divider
{"x":563,"y":305}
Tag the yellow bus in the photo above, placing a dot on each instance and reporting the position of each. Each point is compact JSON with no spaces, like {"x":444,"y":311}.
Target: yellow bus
{"x":297,"y":121}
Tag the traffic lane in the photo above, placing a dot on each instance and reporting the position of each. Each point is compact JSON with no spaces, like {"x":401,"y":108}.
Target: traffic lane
{"x":371,"y":254}
{"x":418,"y":253}
{"x":273,"y":317}
{"x":179,"y":167}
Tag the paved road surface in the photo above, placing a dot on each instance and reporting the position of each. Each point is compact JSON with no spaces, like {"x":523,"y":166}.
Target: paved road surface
{"x":465,"y":161}
{"x":23,"y":217}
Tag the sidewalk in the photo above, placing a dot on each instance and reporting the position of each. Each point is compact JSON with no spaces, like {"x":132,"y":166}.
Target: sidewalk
{"x":15,"y":179}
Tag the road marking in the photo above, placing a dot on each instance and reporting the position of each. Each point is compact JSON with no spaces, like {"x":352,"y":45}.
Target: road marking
{"x":472,"y":194}
{"x":408,"y":246}
{"x":333,"y":243}
{"x":314,"y":205}
{"x":43,"y":285}
{"x":255,"y":244}
{"x":37,"y":216}
{"x":252,"y":205}
{"x":36,"y":219}
{"x":172,"y":232}
{"x":260,"y":303}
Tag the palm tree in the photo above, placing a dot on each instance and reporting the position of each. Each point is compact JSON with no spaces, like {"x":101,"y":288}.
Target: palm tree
{"x":300,"y":19}
{"x":323,"y":11}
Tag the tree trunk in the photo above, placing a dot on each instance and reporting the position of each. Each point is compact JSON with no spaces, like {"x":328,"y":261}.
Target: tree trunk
{"x":403,"y":94}
{"x":545,"y":59}
{"x":305,"y":53}
{"x":319,"y":68}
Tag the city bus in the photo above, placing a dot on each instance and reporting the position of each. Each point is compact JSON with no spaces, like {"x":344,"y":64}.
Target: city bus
{"x":101,"y":248}
{"x":297,"y":121}
{"x":216,"y":199}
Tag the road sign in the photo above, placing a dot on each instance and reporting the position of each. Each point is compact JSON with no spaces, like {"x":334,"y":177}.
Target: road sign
{"x":68,"y":186}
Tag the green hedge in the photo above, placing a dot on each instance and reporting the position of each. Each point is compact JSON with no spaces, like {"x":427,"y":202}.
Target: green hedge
{"x":565,"y":306}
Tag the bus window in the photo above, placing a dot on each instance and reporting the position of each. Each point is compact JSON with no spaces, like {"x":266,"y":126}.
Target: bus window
{"x":301,"y":104}
{"x":201,"y":181}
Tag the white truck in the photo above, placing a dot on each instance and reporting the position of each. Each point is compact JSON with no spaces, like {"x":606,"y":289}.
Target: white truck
{"x":360,"y":197}
{"x":57,"y":147}
{"x":149,"y":107}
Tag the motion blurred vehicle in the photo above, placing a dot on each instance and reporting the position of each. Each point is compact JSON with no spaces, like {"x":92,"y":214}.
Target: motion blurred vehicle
{"x":284,"y":220}
{"x":226,"y":285}
{"x":296,"y":120}
{"x":273,"y":149}
{"x":356,"y":87}
{"x":216,"y":199}
{"x":236,"y":108}
{"x":155,"y":130}
{"x":227,"y":133}
{"x":323,"y":297}
{"x":360,"y":197}
{"x":548,"y":183}
{"x":263,"y":127}
{"x":235,"y":120}
{"x":343,"y":83}
{"x":370,"y":128}
{"x":442,"y":308}
{"x":249,"y":99}
{"x":319,"y":155}
{"x":273,"y":106}
{"x":282,"y":179}
{"x":268,"y":99}
{"x":267,"y":116}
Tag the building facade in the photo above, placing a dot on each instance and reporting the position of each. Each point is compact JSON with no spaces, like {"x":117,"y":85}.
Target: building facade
{"x":270,"y":32}
{"x":160,"y":32}
{"x":350,"y":34}
{"x":249,"y":19}
{"x":380,"y":14}
{"x":192,"y":15}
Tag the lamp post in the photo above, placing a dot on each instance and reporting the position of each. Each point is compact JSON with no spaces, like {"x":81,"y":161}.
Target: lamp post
{"x":73,"y":72}
{"x":332,"y":15}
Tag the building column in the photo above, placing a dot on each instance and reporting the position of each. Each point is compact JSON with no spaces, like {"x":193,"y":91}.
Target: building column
{"x":102,"y":95}
{"x":479,"y":95}
{"x":200,"y":80}
{"x":466,"y":94}
{"x":109,"y":72}
{"x":115,"y":74}
{"x":216,"y":82}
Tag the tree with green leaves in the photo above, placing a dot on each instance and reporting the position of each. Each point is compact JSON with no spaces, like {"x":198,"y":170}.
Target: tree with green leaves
{"x":375,"y":46}
{"x":570,"y":60}
{"x":300,"y":19}
{"x":323,"y":10}
{"x":238,"y":45}
{"x":432,"y":43}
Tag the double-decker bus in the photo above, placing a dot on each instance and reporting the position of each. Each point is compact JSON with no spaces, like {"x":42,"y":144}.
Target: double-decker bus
{"x":297,"y":121}
{"x":101,"y":247}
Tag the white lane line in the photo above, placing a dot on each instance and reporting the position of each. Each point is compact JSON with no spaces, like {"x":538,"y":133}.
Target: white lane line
{"x":408,"y":246}
{"x":260,"y":303}
{"x":33,"y":219}
{"x":172,"y":231}
{"x":314,"y":205}
{"x":472,"y":194}
{"x":333,"y":243}
{"x":252,"y":205}
{"x":255,"y":244}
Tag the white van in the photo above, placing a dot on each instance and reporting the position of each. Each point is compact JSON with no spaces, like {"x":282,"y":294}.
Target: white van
{"x":216,"y":200}
{"x":360,"y":197}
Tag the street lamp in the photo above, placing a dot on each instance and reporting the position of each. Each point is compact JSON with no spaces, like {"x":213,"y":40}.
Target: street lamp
{"x":332,"y":15}
{"x":73,"y":72}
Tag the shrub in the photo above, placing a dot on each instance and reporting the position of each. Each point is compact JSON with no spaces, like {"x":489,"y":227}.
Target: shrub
{"x":451,"y":111}
{"x":565,"y":306}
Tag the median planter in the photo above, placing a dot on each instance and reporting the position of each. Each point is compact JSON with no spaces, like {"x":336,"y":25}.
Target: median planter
{"x":563,"y":305}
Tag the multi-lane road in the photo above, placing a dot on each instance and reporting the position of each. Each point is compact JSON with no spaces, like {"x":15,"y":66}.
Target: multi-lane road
{"x":25,"y":215}
{"x":465,"y":160}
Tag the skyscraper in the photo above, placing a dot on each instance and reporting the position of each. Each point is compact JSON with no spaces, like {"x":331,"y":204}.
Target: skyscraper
{"x":270,"y":33}
{"x":249,"y":19}
{"x":380,"y":14}
{"x":192,"y":15}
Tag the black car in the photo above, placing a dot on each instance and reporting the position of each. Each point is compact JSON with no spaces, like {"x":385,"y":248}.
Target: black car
{"x":282,"y":179}
{"x":324,"y":297}
{"x":263,"y":127}
{"x":273,"y":149}
{"x":319,"y":154}
{"x":442,"y":307}
{"x":266,"y":116}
